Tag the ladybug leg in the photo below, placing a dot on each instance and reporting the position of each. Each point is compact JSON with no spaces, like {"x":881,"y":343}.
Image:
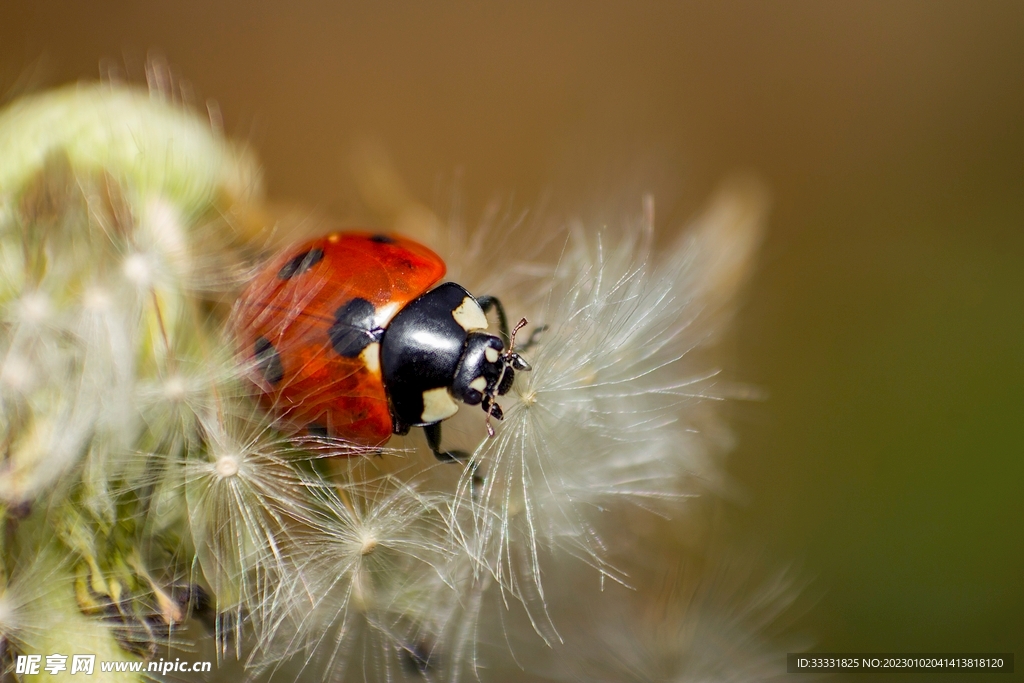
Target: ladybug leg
{"x":433,"y":432}
{"x":491,"y":302}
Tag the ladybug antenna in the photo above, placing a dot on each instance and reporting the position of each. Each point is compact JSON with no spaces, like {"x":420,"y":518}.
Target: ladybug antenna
{"x":513,"y":359}
{"x":492,"y":409}
{"x":487,"y":422}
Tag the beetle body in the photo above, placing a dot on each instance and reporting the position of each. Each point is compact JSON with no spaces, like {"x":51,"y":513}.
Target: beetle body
{"x":344,"y":337}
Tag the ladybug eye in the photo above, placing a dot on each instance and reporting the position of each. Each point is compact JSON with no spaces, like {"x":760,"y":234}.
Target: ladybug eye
{"x":300,"y":263}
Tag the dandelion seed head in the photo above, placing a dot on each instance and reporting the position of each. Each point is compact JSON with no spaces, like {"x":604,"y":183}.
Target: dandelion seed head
{"x":138,"y":270}
{"x":368,"y":543}
{"x":612,"y":412}
{"x":162,"y":225}
{"x":175,"y":389}
{"x":361,"y":566}
{"x":375,"y":572}
{"x":186,"y":386}
{"x":227,"y":465}
{"x":102,"y":195}
{"x":528,"y":397}
{"x":244,"y":500}
{"x":33,"y":308}
{"x":17,"y":374}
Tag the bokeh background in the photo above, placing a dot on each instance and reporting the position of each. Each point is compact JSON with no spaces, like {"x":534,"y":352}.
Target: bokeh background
{"x":885,"y":324}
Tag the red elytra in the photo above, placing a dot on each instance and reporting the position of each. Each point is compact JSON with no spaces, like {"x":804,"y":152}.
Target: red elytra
{"x":283,"y":323}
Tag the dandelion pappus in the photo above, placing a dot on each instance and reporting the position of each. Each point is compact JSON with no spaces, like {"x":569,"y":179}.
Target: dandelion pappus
{"x":345,"y":338}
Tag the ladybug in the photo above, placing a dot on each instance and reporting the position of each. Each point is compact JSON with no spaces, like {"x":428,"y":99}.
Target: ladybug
{"x":346,"y":336}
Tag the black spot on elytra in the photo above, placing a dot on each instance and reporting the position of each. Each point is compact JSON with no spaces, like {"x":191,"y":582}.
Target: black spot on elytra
{"x":382,"y":239}
{"x":353,"y":328}
{"x":268,"y":361}
{"x":300,"y":263}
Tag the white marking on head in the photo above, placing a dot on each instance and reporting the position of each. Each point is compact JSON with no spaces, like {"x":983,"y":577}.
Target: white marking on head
{"x":371,"y":358}
{"x":479,"y":384}
{"x":470,"y":316}
{"x":491,"y":355}
{"x":438,"y":405}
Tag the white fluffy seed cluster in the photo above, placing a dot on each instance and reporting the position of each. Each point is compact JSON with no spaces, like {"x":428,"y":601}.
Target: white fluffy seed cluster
{"x":128,"y":431}
{"x":113,"y":368}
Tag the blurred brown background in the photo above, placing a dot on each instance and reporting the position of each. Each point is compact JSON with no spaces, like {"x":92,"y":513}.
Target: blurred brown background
{"x":886,"y":322}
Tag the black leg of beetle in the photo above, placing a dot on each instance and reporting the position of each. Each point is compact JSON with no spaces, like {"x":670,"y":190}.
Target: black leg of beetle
{"x":433,"y":433}
{"x":489,"y":302}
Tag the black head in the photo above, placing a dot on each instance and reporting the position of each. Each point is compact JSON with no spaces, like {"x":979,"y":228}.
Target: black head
{"x":487,"y":370}
{"x":436,"y":351}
